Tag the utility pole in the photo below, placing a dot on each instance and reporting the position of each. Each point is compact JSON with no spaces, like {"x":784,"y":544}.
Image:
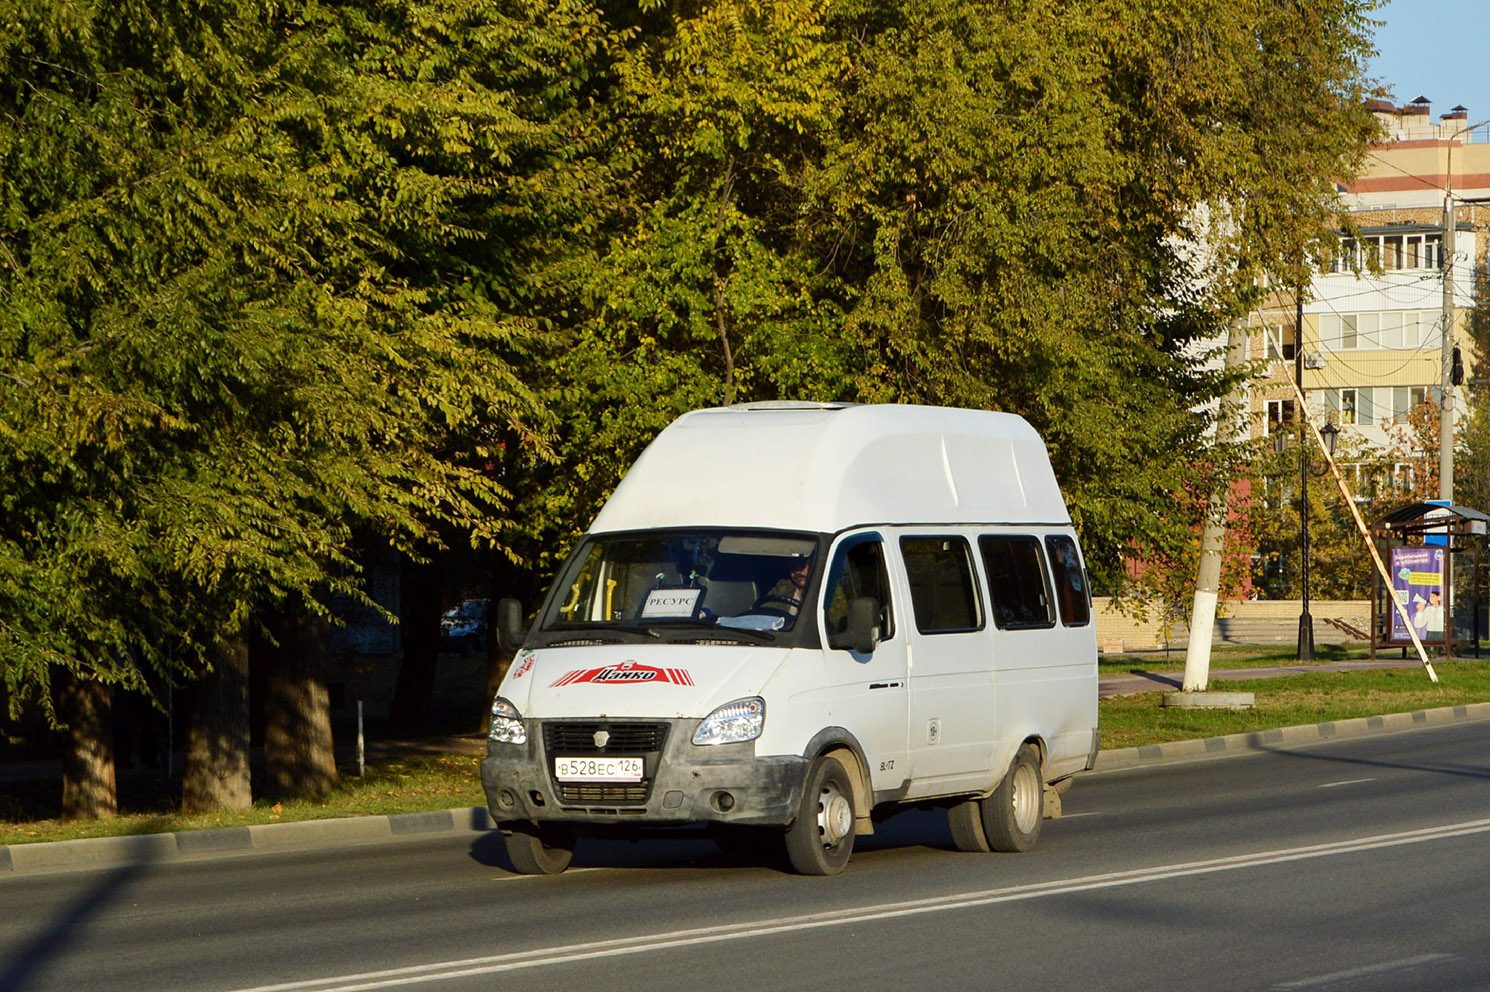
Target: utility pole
{"x":1446,"y":350}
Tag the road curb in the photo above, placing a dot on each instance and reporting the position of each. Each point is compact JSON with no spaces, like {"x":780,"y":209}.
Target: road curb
{"x":1262,"y":740}
{"x":112,"y":852}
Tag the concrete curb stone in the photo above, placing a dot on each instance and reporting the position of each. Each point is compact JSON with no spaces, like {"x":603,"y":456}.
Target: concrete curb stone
{"x":1211,"y":747}
{"x":106,"y":852}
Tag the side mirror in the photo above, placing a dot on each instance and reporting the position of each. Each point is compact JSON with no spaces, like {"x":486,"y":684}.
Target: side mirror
{"x":510,"y":633}
{"x":863,"y":631}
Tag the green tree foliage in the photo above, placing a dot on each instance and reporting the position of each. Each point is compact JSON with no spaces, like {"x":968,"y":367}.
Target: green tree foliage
{"x":282,"y":272}
{"x":264,"y":272}
{"x":1033,"y":207}
{"x":709,"y":117}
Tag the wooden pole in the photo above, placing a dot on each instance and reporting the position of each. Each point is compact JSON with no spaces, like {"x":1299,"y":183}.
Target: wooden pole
{"x":1355,"y":513}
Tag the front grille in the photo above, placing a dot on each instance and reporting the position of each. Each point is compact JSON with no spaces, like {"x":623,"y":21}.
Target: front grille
{"x":597,"y":792}
{"x":625,"y":738}
{"x":577,"y":738}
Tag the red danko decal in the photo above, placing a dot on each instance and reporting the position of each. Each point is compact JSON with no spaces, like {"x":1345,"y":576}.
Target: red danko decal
{"x":627,"y":673}
{"x":523,"y":667}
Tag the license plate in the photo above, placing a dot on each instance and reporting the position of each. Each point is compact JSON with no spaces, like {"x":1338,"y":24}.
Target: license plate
{"x":598,"y":769}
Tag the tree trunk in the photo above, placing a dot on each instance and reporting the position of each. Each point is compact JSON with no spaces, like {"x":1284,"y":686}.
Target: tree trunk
{"x":299,"y":760}
{"x":419,"y":622}
{"x":88,"y":785}
{"x":217,"y":775}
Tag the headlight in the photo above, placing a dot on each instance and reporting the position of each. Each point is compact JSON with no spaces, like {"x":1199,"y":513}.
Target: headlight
{"x":506,"y":724}
{"x":732,"y":723}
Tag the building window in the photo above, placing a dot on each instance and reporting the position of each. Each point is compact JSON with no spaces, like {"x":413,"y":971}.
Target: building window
{"x":1386,"y":329}
{"x":1276,"y":334}
{"x":1280,"y":415}
{"x":1348,"y":406}
{"x":1394,"y":252}
{"x":1351,"y":405}
{"x":1405,"y":398}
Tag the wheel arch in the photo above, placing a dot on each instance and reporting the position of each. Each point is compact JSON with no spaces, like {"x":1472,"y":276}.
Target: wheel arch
{"x":839,"y":743}
{"x":1034,"y":739}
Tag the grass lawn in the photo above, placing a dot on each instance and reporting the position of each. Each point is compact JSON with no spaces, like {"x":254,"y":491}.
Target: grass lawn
{"x":1291,"y":700}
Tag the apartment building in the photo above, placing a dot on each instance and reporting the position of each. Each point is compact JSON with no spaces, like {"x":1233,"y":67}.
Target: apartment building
{"x":1373,"y":316}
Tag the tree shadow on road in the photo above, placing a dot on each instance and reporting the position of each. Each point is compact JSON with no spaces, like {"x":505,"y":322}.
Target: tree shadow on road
{"x":25,"y":965}
{"x":1457,"y":769}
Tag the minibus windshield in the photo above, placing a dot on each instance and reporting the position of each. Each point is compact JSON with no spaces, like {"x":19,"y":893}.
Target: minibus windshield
{"x":656,"y":580}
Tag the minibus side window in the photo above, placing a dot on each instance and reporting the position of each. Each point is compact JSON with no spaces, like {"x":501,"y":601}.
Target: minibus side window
{"x":858,"y":570}
{"x":944,"y":596}
{"x":1017,"y":582}
{"x":1070,"y":581}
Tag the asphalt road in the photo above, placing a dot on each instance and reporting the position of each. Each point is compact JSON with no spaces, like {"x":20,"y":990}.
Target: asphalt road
{"x":1357,"y":864}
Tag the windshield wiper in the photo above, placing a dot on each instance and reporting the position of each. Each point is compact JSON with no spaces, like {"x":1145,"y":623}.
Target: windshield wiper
{"x":715,"y":630}
{"x":632,"y":628}
{"x":609,"y":633}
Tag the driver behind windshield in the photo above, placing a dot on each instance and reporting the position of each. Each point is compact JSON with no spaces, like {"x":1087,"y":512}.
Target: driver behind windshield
{"x":786,"y":595}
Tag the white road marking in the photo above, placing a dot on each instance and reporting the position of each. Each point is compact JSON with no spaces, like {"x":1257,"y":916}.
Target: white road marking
{"x":848,"y":916}
{"x":1077,"y":816}
{"x":1349,"y":781}
{"x":1370,"y":971}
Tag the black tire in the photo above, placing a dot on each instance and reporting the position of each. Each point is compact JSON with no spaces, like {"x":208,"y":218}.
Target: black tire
{"x":541,"y":850}
{"x":1013,"y":814}
{"x":821,"y":838}
{"x":966,"y":821}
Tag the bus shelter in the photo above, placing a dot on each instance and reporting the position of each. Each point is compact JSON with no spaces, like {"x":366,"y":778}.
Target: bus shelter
{"x":1418,"y":544}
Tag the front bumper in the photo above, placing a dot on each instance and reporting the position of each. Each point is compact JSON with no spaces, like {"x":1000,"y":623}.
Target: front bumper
{"x":721,"y":783}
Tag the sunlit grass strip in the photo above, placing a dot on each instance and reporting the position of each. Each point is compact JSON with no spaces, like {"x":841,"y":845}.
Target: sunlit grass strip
{"x":405,"y":785}
{"x":1132,"y":721}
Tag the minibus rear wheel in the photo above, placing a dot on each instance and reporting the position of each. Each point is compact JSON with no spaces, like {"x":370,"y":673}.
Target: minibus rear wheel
{"x":538,"y":850}
{"x":966,"y":823}
{"x":1013,"y":813}
{"x":821,"y":838}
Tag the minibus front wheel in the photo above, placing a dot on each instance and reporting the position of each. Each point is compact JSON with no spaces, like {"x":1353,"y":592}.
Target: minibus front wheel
{"x":538,"y":849}
{"x":821,"y":838}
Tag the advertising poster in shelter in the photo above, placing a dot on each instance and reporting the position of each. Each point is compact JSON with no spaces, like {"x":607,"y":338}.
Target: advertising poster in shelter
{"x":1417,"y":582}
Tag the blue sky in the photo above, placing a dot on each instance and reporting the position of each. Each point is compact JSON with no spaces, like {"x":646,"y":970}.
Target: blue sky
{"x":1435,"y":48}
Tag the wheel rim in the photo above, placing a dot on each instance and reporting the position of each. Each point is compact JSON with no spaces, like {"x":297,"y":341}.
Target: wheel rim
{"x":835,"y":815}
{"x":1026,"y":798}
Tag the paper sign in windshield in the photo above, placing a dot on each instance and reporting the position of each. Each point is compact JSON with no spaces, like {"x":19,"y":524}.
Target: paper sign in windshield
{"x":671,"y":603}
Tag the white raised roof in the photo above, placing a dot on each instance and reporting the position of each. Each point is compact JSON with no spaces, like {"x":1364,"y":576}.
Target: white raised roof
{"x":826,"y":468}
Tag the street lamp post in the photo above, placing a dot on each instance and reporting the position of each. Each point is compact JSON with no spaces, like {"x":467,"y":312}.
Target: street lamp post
{"x":1330,"y":433}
